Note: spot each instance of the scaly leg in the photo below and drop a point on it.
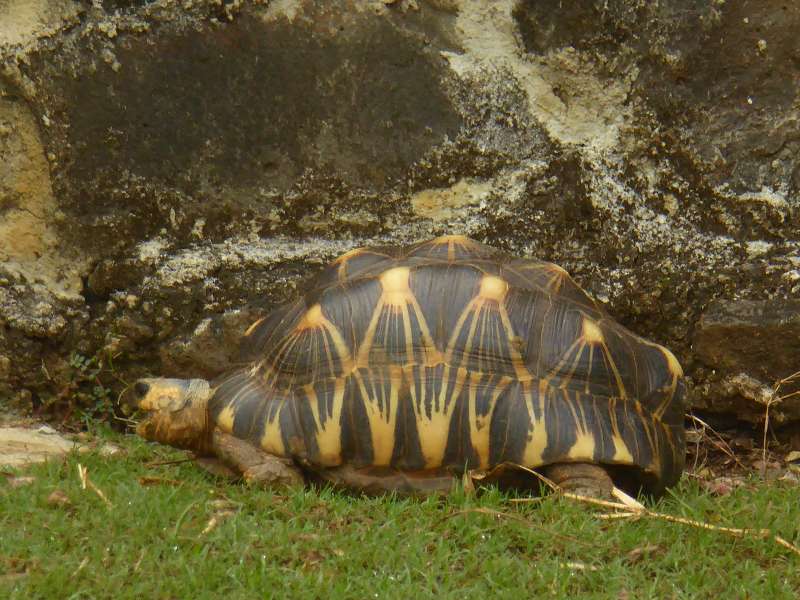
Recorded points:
(584, 479)
(256, 466)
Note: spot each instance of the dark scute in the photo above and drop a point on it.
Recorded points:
(537, 275)
(561, 328)
(595, 411)
(524, 280)
(443, 293)
(271, 329)
(367, 263)
(560, 426)
(555, 349)
(225, 390)
(483, 344)
(362, 261)
(253, 403)
(459, 452)
(303, 413)
(510, 426)
(655, 378)
(356, 441)
(306, 356)
(352, 306)
(391, 341)
(636, 430)
(407, 451)
(621, 349)
(527, 313)
(248, 420)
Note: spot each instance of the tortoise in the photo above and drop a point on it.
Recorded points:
(402, 368)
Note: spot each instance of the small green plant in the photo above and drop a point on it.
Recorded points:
(89, 393)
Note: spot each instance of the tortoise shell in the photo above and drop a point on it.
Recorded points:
(450, 355)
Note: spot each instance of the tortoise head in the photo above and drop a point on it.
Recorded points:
(176, 411)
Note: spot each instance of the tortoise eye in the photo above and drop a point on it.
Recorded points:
(141, 388)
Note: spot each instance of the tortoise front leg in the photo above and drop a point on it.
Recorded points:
(256, 466)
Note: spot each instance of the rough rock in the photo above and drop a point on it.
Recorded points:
(759, 342)
(21, 446)
(170, 170)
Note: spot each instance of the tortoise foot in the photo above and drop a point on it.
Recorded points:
(584, 479)
(257, 467)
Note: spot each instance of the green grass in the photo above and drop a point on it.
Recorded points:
(325, 544)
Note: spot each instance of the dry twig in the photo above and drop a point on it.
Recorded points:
(629, 511)
(83, 475)
(764, 440)
(81, 566)
(161, 463)
(775, 399)
(215, 520)
(719, 442)
(633, 509)
(789, 379)
(138, 562)
(627, 500)
(149, 480)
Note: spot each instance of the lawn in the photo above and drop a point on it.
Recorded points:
(174, 531)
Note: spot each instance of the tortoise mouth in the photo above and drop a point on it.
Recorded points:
(173, 411)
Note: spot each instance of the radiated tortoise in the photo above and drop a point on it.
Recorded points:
(402, 368)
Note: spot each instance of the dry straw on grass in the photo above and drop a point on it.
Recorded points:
(86, 483)
(630, 508)
(715, 438)
(776, 398)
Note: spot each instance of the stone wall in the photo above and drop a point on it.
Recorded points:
(171, 169)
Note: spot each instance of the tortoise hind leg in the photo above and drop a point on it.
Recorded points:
(256, 466)
(585, 479)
